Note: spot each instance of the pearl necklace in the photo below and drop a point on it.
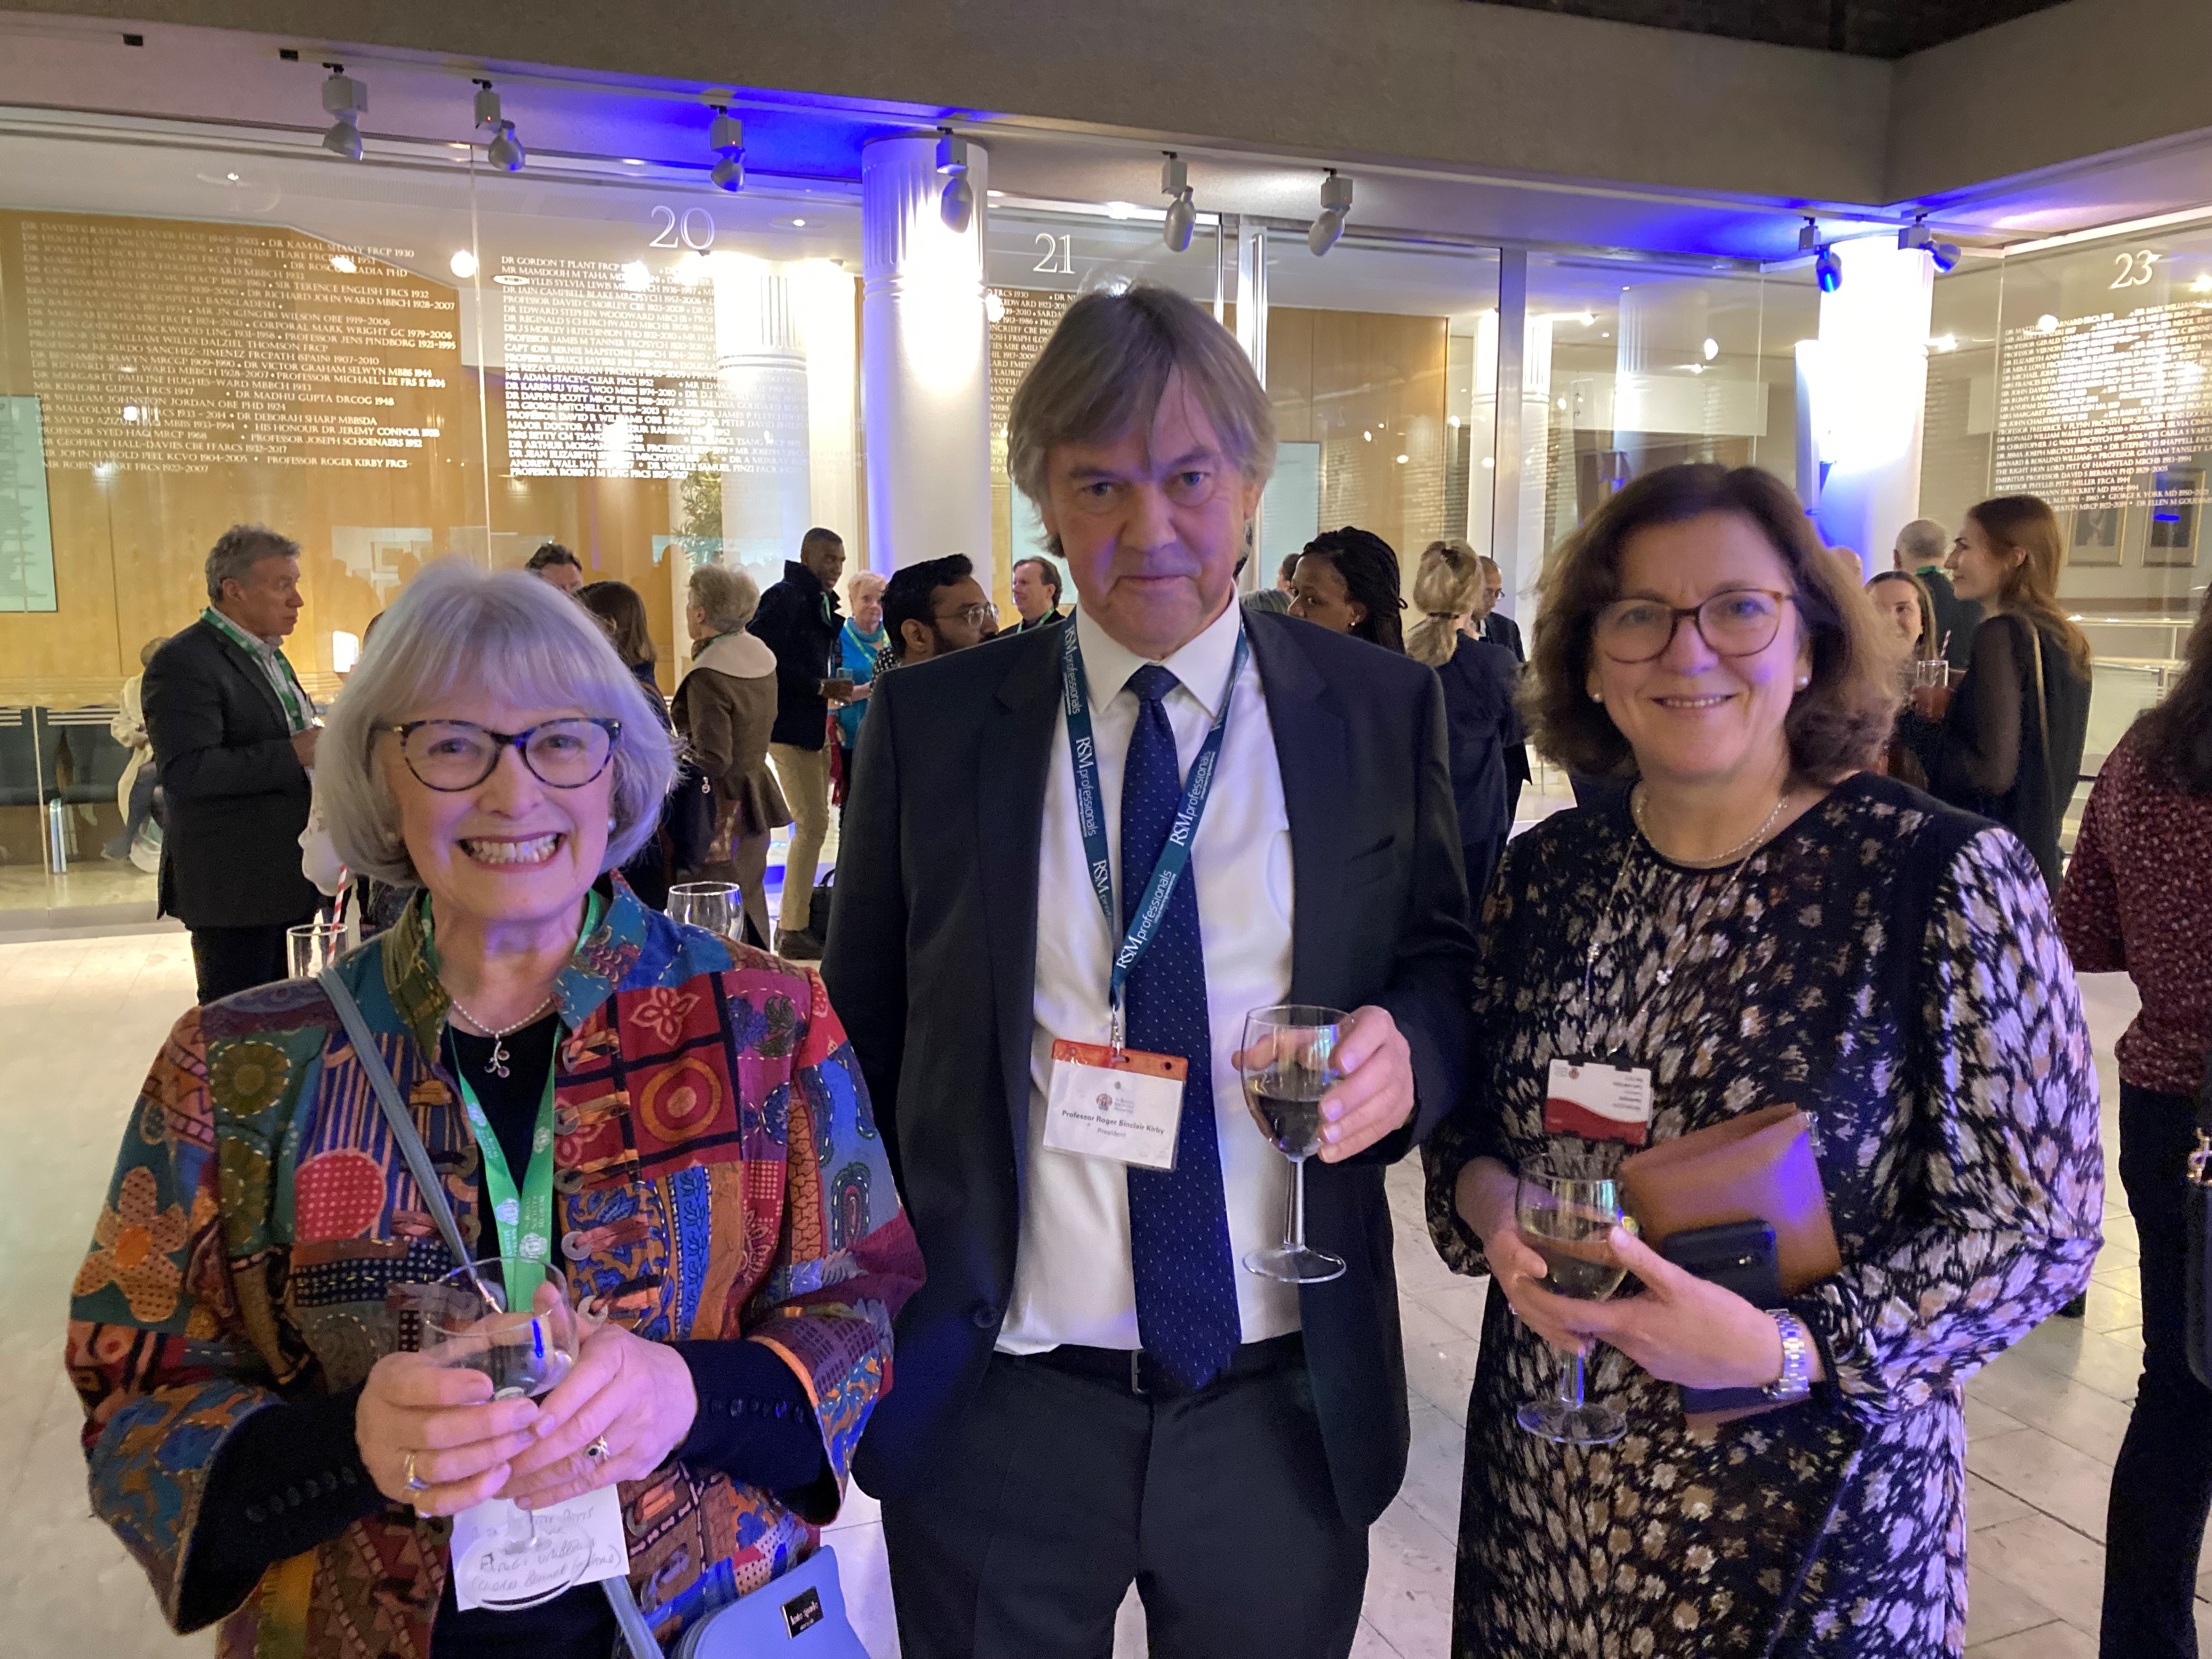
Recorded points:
(496, 1067)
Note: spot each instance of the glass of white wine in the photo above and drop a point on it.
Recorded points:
(510, 1319)
(1564, 1208)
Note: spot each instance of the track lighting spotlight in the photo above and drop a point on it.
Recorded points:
(1183, 213)
(1808, 235)
(1828, 271)
(347, 99)
(726, 138)
(956, 206)
(1916, 235)
(504, 151)
(1335, 209)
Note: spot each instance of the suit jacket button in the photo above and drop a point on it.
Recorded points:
(985, 1316)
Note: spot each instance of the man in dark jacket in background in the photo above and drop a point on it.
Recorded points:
(799, 620)
(234, 735)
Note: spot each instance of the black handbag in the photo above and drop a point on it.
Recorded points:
(2197, 1206)
(689, 818)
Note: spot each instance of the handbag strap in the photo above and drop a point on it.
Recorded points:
(2042, 703)
(623, 1600)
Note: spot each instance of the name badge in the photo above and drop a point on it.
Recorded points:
(497, 1563)
(1124, 1108)
(1598, 1101)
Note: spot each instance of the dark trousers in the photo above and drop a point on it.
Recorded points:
(1062, 1491)
(2162, 1484)
(229, 959)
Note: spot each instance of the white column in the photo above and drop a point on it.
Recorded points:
(1871, 391)
(761, 361)
(925, 363)
(821, 291)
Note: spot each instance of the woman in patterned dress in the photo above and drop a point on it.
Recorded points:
(261, 1432)
(1761, 922)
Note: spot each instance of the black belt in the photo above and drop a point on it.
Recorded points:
(1134, 1371)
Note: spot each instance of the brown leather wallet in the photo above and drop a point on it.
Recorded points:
(1758, 1167)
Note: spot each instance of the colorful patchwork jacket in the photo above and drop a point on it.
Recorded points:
(720, 1176)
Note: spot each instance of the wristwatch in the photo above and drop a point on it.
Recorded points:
(1796, 1379)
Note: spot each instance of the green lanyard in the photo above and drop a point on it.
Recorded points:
(276, 668)
(525, 1219)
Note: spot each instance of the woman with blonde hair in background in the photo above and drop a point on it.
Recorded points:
(726, 710)
(2005, 743)
(1479, 679)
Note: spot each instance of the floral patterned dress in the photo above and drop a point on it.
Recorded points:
(1947, 1069)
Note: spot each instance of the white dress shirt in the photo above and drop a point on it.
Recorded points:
(1073, 1280)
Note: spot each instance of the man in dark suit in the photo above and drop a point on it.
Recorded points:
(799, 620)
(1244, 810)
(1920, 549)
(1500, 629)
(233, 734)
(1037, 593)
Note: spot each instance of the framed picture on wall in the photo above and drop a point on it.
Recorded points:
(2095, 534)
(2176, 517)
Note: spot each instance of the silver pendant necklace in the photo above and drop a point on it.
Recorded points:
(1665, 976)
(497, 1065)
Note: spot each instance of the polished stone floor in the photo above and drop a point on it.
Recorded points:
(80, 1018)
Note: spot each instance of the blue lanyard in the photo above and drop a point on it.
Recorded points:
(1091, 815)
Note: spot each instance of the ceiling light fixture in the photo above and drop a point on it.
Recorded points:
(1918, 235)
(347, 99)
(1828, 270)
(1711, 349)
(1808, 236)
(463, 265)
(1182, 212)
(956, 206)
(1335, 209)
(726, 138)
(504, 151)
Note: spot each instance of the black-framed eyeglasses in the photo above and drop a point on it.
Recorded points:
(450, 756)
(1737, 622)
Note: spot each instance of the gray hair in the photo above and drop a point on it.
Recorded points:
(1106, 367)
(239, 549)
(1925, 540)
(457, 628)
(727, 597)
(866, 581)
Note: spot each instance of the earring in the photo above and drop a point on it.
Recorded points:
(610, 817)
(1597, 697)
(1804, 681)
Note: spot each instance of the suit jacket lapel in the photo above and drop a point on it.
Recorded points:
(1310, 750)
(1015, 749)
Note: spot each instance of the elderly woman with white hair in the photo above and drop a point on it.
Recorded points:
(680, 1123)
(726, 710)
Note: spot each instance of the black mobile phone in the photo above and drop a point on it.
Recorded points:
(1739, 1256)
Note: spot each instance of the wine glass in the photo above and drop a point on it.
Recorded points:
(510, 1319)
(713, 905)
(1564, 1207)
(1288, 1063)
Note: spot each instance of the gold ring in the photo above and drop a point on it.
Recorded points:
(414, 1482)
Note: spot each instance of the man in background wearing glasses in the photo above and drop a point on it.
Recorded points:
(933, 608)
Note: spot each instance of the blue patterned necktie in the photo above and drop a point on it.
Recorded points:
(1178, 1220)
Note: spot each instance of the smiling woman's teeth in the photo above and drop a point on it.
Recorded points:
(1692, 703)
(536, 850)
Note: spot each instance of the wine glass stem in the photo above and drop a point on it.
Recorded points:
(1570, 1380)
(1295, 1229)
